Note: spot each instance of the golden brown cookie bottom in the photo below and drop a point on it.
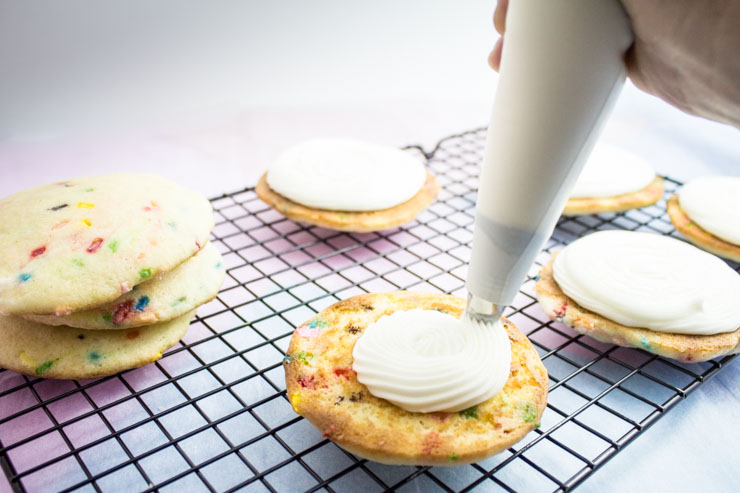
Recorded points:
(683, 347)
(351, 221)
(322, 387)
(698, 236)
(634, 200)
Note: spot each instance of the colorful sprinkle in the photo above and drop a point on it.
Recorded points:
(180, 301)
(172, 225)
(26, 359)
(328, 432)
(60, 224)
(113, 246)
(303, 357)
(529, 412)
(95, 245)
(347, 373)
(470, 413)
(319, 323)
(87, 222)
(132, 334)
(294, 400)
(78, 262)
(107, 317)
(560, 312)
(57, 207)
(219, 265)
(536, 278)
(85, 205)
(307, 381)
(141, 303)
(342, 216)
(453, 457)
(645, 343)
(145, 273)
(24, 276)
(94, 356)
(154, 206)
(89, 189)
(38, 251)
(122, 311)
(44, 367)
(286, 359)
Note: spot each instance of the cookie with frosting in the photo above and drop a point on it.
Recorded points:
(706, 212)
(323, 386)
(44, 351)
(614, 180)
(646, 291)
(348, 185)
(189, 285)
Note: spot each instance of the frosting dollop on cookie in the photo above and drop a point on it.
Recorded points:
(346, 175)
(427, 361)
(713, 203)
(650, 281)
(612, 171)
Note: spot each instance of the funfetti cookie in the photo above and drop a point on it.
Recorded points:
(73, 245)
(323, 387)
(614, 180)
(348, 185)
(707, 212)
(65, 352)
(190, 284)
(647, 291)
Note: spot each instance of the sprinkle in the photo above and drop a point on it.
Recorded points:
(645, 343)
(94, 245)
(219, 265)
(89, 189)
(141, 303)
(132, 334)
(78, 262)
(107, 317)
(303, 357)
(85, 205)
(26, 358)
(180, 301)
(87, 222)
(24, 276)
(560, 312)
(60, 224)
(318, 323)
(172, 225)
(536, 278)
(294, 400)
(145, 273)
(529, 411)
(342, 216)
(453, 457)
(470, 413)
(113, 246)
(327, 433)
(43, 367)
(345, 372)
(286, 359)
(122, 311)
(38, 251)
(57, 207)
(307, 382)
(94, 356)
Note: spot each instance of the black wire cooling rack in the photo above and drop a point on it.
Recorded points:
(212, 414)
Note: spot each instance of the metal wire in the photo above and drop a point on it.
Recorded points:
(212, 414)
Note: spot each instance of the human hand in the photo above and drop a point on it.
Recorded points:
(685, 52)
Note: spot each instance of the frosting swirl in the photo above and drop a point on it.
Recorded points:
(713, 203)
(612, 171)
(426, 361)
(650, 281)
(346, 175)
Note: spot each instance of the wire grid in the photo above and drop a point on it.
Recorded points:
(212, 414)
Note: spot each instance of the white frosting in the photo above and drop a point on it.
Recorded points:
(612, 171)
(346, 175)
(714, 204)
(426, 361)
(650, 281)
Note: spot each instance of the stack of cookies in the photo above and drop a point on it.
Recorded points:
(101, 274)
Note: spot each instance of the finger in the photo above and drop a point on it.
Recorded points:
(494, 59)
(499, 16)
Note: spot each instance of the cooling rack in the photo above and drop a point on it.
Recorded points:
(212, 415)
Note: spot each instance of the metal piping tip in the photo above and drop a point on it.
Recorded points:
(482, 310)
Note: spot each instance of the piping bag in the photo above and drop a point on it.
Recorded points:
(562, 69)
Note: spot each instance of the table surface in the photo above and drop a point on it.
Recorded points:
(258, 77)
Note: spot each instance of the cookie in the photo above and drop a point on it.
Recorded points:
(683, 347)
(74, 245)
(634, 200)
(322, 387)
(190, 284)
(358, 222)
(65, 352)
(698, 236)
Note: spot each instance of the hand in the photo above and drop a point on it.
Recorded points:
(686, 52)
